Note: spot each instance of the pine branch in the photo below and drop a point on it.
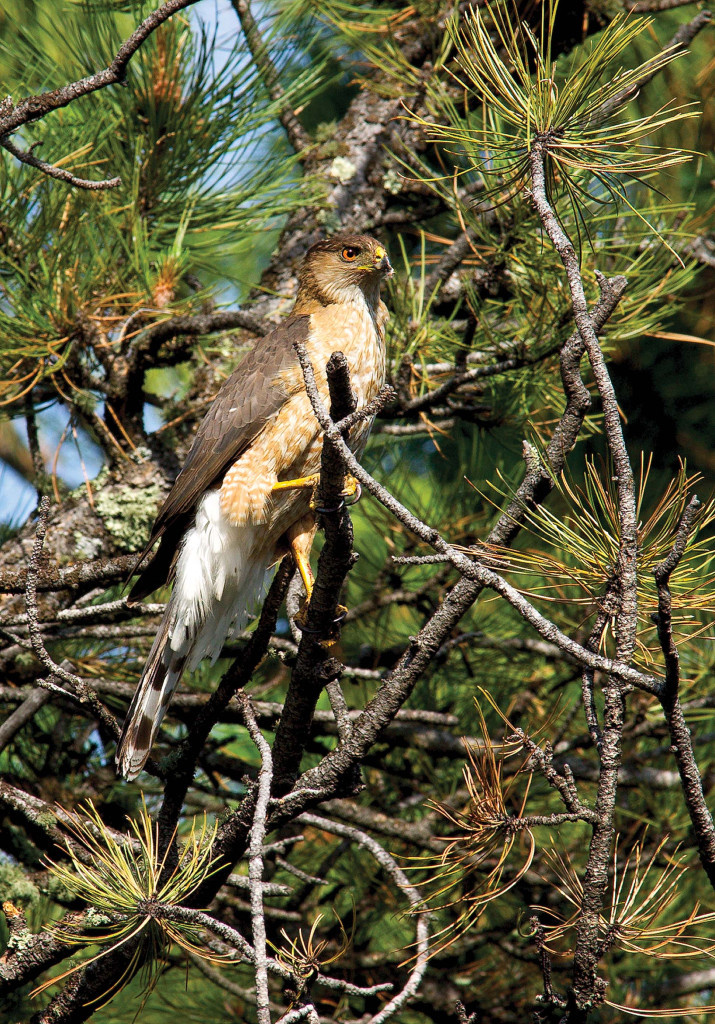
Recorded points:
(33, 108)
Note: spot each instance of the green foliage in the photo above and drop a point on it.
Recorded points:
(573, 117)
(575, 560)
(202, 178)
(125, 884)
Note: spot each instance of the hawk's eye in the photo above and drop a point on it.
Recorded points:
(349, 253)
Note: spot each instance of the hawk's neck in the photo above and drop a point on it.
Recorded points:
(312, 299)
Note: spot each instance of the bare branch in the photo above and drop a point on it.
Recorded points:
(680, 737)
(469, 568)
(25, 156)
(37, 953)
(652, 6)
(146, 345)
(255, 859)
(76, 576)
(586, 955)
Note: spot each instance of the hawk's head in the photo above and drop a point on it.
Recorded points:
(344, 268)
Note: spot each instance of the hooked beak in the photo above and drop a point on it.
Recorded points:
(382, 262)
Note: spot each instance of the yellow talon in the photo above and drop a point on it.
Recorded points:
(352, 486)
(349, 495)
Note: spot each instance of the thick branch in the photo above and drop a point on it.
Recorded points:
(76, 576)
(145, 347)
(315, 667)
(37, 954)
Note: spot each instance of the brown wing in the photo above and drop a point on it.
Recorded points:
(250, 397)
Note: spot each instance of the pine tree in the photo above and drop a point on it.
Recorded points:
(490, 797)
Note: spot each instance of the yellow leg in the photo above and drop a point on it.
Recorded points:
(299, 483)
(300, 539)
(306, 573)
(351, 490)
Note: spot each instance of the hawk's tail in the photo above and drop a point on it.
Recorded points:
(219, 577)
(159, 679)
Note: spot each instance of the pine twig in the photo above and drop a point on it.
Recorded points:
(297, 135)
(26, 156)
(215, 976)
(188, 915)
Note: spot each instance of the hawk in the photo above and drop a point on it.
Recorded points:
(243, 497)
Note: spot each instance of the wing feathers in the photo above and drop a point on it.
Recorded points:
(245, 403)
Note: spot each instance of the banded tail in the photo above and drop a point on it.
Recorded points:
(159, 680)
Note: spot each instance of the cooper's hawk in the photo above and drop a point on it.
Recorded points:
(242, 499)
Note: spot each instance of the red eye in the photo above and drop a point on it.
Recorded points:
(350, 254)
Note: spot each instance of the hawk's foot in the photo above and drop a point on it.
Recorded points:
(352, 491)
(319, 636)
(350, 494)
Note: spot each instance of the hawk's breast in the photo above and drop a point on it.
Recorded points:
(290, 444)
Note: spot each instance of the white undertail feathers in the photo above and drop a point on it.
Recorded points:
(220, 577)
